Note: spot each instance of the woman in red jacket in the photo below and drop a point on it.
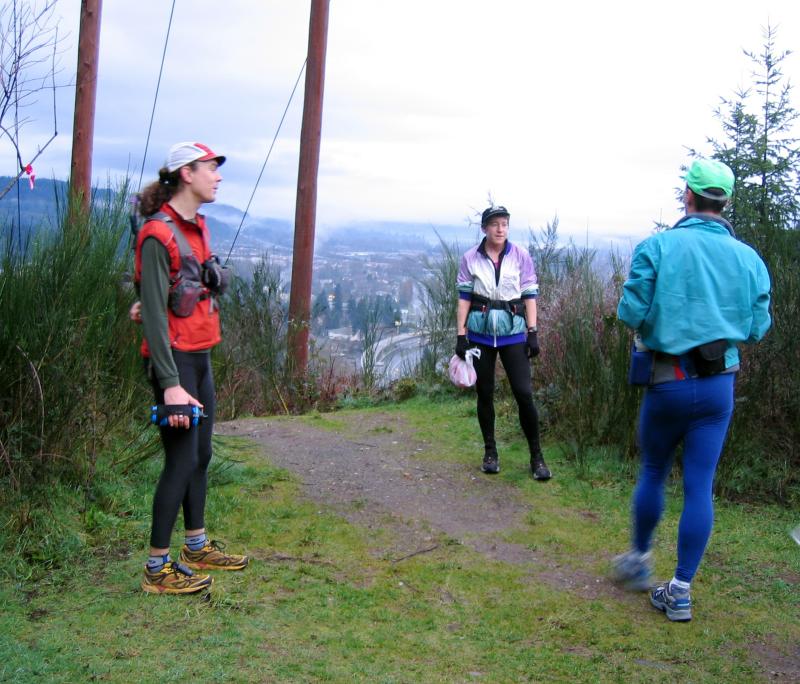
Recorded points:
(178, 279)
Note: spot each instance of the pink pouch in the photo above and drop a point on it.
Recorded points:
(462, 374)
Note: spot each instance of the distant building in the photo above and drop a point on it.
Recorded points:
(345, 334)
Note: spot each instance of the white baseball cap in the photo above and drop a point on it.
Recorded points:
(187, 152)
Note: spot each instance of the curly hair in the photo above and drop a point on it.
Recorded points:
(156, 193)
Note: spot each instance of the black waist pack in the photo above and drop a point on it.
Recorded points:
(709, 358)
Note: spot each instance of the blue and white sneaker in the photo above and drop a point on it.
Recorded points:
(633, 570)
(674, 601)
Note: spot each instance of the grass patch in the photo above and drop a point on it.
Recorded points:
(318, 604)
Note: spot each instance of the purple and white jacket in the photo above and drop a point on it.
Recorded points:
(492, 323)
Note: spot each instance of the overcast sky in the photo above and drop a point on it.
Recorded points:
(580, 109)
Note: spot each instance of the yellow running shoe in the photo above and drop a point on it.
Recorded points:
(213, 557)
(174, 578)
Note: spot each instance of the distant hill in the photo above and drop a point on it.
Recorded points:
(41, 207)
(24, 210)
(256, 233)
(36, 207)
(394, 236)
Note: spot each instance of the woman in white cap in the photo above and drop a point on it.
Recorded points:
(178, 279)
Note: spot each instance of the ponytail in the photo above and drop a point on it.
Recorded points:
(158, 192)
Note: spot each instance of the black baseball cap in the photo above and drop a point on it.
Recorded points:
(491, 212)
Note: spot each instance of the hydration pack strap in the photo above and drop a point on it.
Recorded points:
(184, 248)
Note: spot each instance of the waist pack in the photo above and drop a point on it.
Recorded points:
(709, 358)
(640, 371)
(513, 306)
(489, 322)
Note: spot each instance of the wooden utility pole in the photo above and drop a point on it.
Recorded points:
(306, 207)
(85, 96)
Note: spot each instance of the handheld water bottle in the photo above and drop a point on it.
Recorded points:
(160, 413)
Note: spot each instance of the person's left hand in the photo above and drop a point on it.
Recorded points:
(135, 314)
(532, 345)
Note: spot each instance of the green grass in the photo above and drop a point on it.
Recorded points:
(318, 605)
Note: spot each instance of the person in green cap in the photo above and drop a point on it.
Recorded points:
(693, 294)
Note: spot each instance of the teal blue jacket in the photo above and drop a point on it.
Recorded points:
(696, 283)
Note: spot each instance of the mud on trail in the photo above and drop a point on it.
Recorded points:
(374, 477)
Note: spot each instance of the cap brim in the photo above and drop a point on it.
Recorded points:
(495, 215)
(210, 157)
(710, 195)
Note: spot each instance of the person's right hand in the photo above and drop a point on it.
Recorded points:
(135, 314)
(178, 395)
(461, 347)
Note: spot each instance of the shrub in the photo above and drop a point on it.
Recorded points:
(581, 372)
(69, 376)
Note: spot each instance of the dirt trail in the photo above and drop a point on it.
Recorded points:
(373, 477)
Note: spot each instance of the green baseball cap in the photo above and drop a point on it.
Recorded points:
(709, 174)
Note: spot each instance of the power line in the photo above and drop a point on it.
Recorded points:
(155, 99)
(264, 165)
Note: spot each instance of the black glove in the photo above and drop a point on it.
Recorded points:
(215, 276)
(532, 344)
(212, 273)
(461, 347)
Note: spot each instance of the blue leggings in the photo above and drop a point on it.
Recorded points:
(696, 411)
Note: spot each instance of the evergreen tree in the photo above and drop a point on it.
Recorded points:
(338, 298)
(320, 303)
(765, 211)
(761, 150)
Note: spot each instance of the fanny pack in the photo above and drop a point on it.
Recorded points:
(489, 322)
(640, 371)
(709, 358)
(512, 306)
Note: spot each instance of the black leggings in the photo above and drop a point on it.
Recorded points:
(187, 453)
(518, 370)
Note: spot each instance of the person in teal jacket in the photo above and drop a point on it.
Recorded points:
(693, 294)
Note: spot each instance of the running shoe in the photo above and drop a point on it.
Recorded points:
(539, 468)
(675, 602)
(174, 578)
(213, 557)
(491, 462)
(632, 571)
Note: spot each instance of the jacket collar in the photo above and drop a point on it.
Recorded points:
(482, 248)
(694, 219)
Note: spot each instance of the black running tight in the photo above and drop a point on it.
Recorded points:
(187, 454)
(518, 369)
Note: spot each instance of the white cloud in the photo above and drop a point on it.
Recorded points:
(576, 108)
